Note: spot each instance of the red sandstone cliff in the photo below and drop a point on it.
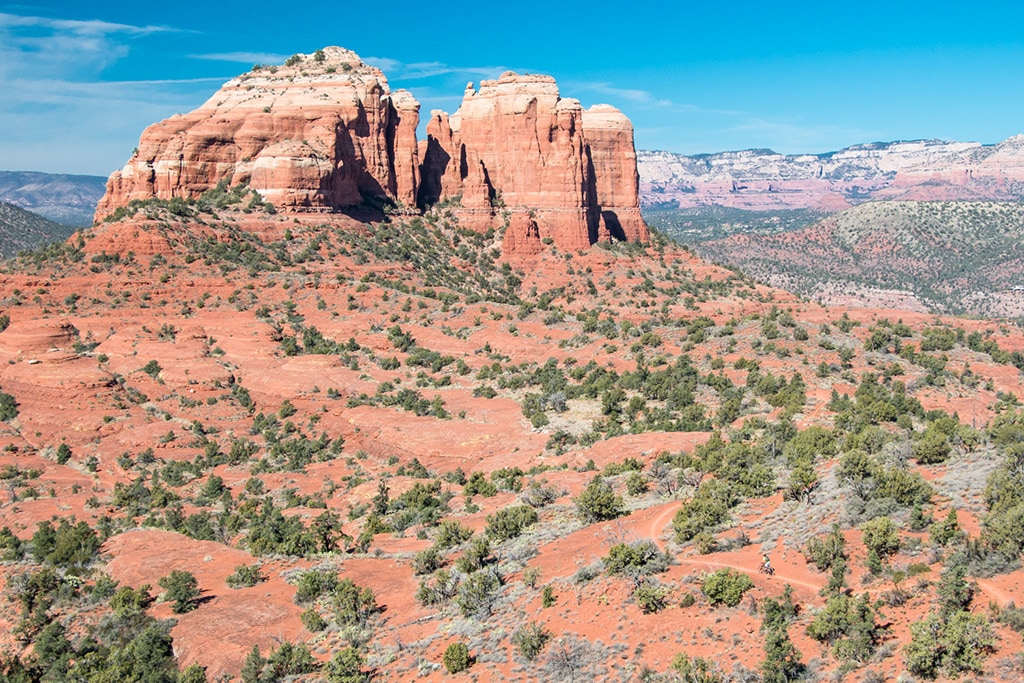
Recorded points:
(325, 131)
(515, 148)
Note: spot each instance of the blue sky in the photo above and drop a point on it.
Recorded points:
(80, 83)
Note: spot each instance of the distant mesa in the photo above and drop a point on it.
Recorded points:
(763, 180)
(325, 132)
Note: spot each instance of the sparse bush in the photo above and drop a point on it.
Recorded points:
(598, 502)
(951, 645)
(312, 620)
(530, 639)
(881, 536)
(849, 625)
(245, 576)
(314, 583)
(825, 551)
(697, 669)
(346, 667)
(651, 597)
(635, 559)
(707, 509)
(509, 522)
(181, 587)
(476, 595)
(726, 586)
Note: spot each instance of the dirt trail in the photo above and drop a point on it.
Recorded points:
(659, 523)
(996, 593)
(746, 569)
(662, 519)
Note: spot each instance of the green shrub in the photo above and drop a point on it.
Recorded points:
(152, 368)
(651, 597)
(456, 657)
(635, 559)
(346, 667)
(881, 536)
(849, 625)
(476, 595)
(312, 620)
(598, 502)
(697, 669)
(933, 447)
(726, 586)
(450, 534)
(530, 639)
(708, 508)
(245, 576)
(353, 604)
(946, 531)
(181, 587)
(8, 407)
(427, 561)
(193, 673)
(314, 583)
(948, 645)
(510, 522)
(781, 658)
(954, 592)
(825, 551)
(636, 484)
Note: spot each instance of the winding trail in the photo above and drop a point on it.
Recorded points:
(657, 526)
(783, 578)
(659, 523)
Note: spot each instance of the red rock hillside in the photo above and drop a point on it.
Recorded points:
(325, 132)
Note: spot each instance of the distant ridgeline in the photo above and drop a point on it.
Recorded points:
(956, 257)
(62, 198)
(22, 230)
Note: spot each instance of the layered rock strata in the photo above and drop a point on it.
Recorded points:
(325, 132)
(516, 149)
(764, 180)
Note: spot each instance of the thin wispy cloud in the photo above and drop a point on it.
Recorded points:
(396, 70)
(51, 74)
(65, 48)
(244, 57)
(643, 98)
(93, 27)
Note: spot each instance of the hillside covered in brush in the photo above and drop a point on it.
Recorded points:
(21, 230)
(959, 257)
(241, 442)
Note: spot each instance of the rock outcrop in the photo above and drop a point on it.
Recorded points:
(764, 180)
(517, 153)
(322, 132)
(325, 132)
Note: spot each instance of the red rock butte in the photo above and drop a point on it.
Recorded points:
(325, 132)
